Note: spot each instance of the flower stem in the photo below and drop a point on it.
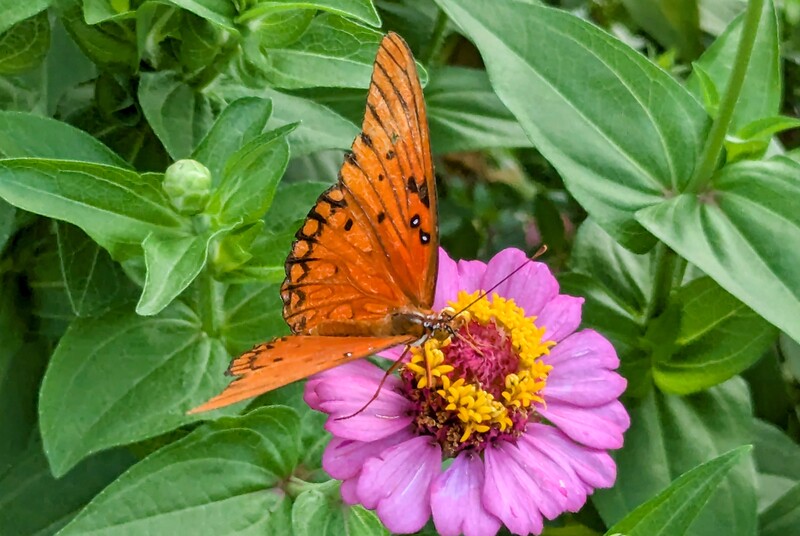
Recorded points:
(437, 37)
(716, 136)
(666, 263)
(210, 297)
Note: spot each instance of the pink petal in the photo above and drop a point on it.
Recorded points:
(447, 281)
(361, 368)
(531, 288)
(567, 479)
(506, 493)
(586, 388)
(393, 354)
(343, 458)
(470, 275)
(397, 483)
(349, 492)
(386, 415)
(560, 317)
(456, 500)
(599, 427)
(587, 348)
(594, 467)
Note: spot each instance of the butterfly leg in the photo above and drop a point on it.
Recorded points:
(396, 365)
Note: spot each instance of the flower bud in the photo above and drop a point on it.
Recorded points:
(188, 185)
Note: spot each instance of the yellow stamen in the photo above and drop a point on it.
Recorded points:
(431, 354)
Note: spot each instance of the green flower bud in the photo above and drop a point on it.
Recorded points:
(188, 185)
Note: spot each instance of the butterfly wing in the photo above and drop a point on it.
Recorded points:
(370, 244)
(287, 359)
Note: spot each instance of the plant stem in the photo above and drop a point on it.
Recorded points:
(437, 38)
(666, 263)
(210, 296)
(716, 136)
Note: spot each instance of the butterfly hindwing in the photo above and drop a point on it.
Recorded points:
(370, 244)
(286, 359)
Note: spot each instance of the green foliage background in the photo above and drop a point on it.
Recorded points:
(648, 143)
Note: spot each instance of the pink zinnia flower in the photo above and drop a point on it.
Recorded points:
(522, 406)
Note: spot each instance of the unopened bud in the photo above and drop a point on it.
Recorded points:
(188, 185)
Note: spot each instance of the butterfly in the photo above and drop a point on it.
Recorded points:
(361, 274)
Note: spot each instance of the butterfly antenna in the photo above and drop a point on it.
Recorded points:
(485, 293)
(396, 365)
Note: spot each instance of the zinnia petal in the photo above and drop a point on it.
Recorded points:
(343, 458)
(447, 282)
(594, 467)
(599, 427)
(560, 317)
(531, 288)
(470, 275)
(397, 484)
(506, 492)
(456, 499)
(341, 399)
(587, 348)
(361, 368)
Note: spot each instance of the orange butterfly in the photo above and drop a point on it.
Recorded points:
(362, 271)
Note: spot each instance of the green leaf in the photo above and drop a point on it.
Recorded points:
(670, 435)
(121, 377)
(240, 122)
(179, 115)
(672, 24)
(24, 45)
(114, 206)
(95, 11)
(109, 44)
(14, 11)
(24, 135)
(220, 12)
(201, 42)
(195, 484)
(539, 60)
(172, 262)
(673, 510)
(361, 10)
(465, 114)
(617, 287)
(753, 139)
(707, 89)
(782, 518)
(8, 223)
(718, 337)
(34, 503)
(250, 178)
(761, 91)
(333, 52)
(743, 234)
(252, 314)
(776, 459)
(94, 283)
(319, 511)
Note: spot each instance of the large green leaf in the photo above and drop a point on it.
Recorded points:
(179, 115)
(319, 511)
(240, 122)
(333, 52)
(93, 281)
(761, 92)
(361, 10)
(34, 503)
(113, 205)
(224, 478)
(220, 12)
(250, 178)
(744, 234)
(121, 377)
(14, 11)
(673, 24)
(621, 132)
(672, 511)
(782, 518)
(717, 338)
(776, 457)
(24, 135)
(252, 315)
(24, 45)
(465, 114)
(670, 435)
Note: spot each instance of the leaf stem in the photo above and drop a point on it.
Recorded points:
(716, 136)
(437, 37)
(210, 297)
(666, 263)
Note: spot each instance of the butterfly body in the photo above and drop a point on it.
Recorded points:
(361, 273)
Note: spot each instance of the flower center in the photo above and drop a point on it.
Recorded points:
(481, 384)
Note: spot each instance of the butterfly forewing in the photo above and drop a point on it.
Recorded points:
(370, 245)
(287, 359)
